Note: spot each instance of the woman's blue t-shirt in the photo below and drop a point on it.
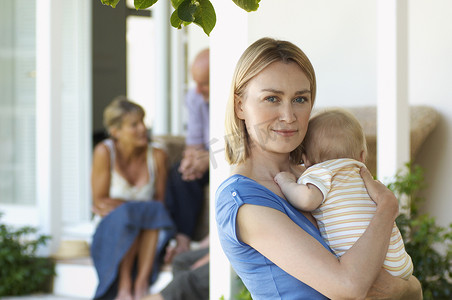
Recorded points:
(262, 277)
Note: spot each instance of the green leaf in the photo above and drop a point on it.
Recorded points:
(200, 12)
(112, 3)
(143, 4)
(176, 3)
(205, 16)
(176, 22)
(187, 9)
(248, 5)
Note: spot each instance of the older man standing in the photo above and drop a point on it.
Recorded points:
(184, 195)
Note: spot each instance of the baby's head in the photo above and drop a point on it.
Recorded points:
(332, 134)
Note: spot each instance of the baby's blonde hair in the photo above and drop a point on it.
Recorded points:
(334, 133)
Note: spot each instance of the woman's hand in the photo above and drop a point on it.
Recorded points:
(104, 206)
(387, 286)
(194, 163)
(380, 194)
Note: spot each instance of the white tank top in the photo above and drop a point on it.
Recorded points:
(121, 188)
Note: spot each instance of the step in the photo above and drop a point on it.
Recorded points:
(75, 278)
(78, 278)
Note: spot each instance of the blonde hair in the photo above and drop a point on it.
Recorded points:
(114, 113)
(256, 58)
(334, 133)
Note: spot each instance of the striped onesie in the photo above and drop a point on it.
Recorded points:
(347, 209)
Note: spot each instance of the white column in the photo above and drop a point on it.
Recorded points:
(228, 40)
(48, 113)
(393, 127)
(84, 11)
(161, 14)
(178, 71)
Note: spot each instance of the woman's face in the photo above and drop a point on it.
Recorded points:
(276, 107)
(132, 130)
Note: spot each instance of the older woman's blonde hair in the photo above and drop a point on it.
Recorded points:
(256, 58)
(115, 111)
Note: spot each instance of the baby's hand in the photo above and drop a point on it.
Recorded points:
(284, 177)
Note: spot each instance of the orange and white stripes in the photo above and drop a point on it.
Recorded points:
(347, 210)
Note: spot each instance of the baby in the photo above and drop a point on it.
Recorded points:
(334, 150)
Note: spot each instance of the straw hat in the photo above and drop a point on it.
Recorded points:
(72, 249)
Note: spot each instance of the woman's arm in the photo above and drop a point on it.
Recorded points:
(389, 287)
(161, 173)
(100, 182)
(266, 229)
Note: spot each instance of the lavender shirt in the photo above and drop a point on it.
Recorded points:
(198, 119)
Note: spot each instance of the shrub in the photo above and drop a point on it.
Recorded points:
(428, 244)
(22, 271)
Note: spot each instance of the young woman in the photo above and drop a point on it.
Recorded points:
(276, 250)
(128, 184)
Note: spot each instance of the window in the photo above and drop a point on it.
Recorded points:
(17, 103)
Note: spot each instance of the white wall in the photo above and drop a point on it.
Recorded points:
(430, 84)
(340, 39)
(338, 36)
